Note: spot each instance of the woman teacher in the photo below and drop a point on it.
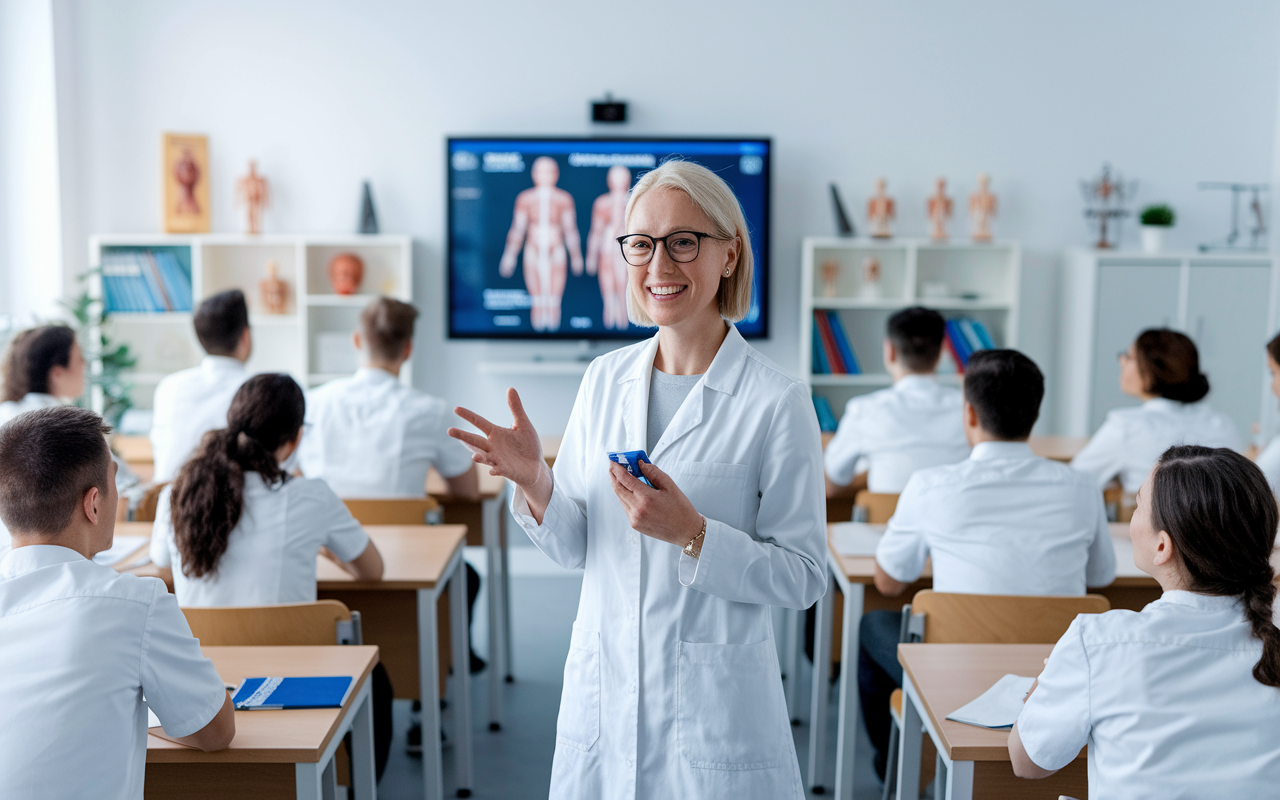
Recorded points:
(672, 686)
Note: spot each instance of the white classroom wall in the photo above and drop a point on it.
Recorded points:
(327, 93)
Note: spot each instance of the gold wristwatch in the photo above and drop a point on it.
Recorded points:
(694, 548)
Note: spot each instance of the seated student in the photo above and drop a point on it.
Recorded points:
(190, 403)
(1269, 459)
(80, 644)
(1003, 522)
(913, 424)
(372, 436)
(1161, 368)
(1181, 699)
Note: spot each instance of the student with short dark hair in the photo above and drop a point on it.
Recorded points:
(1005, 521)
(194, 401)
(80, 644)
(909, 426)
(1162, 369)
(1181, 699)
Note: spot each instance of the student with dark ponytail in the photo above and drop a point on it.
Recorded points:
(1162, 369)
(237, 529)
(1181, 699)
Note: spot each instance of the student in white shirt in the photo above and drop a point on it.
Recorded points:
(1162, 369)
(1269, 459)
(913, 424)
(1181, 699)
(372, 436)
(1003, 522)
(80, 644)
(194, 401)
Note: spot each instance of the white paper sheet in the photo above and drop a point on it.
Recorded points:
(123, 546)
(997, 707)
(856, 538)
(152, 720)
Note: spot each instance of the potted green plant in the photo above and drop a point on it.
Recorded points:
(1155, 220)
(110, 362)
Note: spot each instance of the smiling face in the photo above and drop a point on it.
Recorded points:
(672, 293)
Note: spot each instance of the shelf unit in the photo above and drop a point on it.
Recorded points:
(979, 281)
(290, 342)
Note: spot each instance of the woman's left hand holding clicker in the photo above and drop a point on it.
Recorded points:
(661, 511)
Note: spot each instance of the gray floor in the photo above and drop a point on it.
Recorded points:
(515, 763)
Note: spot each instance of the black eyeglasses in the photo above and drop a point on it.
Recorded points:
(682, 246)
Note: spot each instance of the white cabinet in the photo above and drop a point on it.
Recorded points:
(1225, 303)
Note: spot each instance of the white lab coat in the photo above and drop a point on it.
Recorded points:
(672, 686)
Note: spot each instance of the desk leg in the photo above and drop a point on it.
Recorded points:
(329, 780)
(847, 728)
(460, 703)
(821, 689)
(491, 513)
(428, 688)
(792, 621)
(909, 740)
(308, 781)
(960, 780)
(508, 671)
(363, 773)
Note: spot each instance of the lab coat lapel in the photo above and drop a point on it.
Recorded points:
(722, 376)
(635, 403)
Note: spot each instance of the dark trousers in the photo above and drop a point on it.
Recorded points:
(879, 673)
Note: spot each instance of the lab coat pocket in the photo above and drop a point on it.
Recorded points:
(716, 490)
(729, 706)
(578, 725)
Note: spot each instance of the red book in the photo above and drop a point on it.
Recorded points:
(838, 366)
(951, 348)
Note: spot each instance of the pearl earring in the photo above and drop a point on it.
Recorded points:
(726, 272)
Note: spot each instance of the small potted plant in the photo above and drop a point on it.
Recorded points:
(1155, 220)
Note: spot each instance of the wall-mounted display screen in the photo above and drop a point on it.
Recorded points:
(533, 226)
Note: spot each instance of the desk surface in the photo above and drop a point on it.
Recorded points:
(414, 557)
(947, 676)
(490, 485)
(133, 449)
(296, 735)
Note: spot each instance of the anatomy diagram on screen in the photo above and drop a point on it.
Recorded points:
(545, 225)
(604, 257)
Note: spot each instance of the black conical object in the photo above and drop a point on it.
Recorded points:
(368, 217)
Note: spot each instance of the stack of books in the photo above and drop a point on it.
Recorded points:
(964, 338)
(832, 353)
(145, 281)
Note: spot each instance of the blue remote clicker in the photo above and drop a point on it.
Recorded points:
(631, 460)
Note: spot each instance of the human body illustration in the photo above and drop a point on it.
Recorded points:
(603, 258)
(545, 225)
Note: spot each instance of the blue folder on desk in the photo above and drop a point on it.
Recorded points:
(275, 693)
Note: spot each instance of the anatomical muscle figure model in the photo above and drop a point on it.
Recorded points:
(545, 225)
(603, 254)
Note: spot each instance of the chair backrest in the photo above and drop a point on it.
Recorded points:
(1000, 619)
(323, 622)
(879, 506)
(408, 511)
(146, 510)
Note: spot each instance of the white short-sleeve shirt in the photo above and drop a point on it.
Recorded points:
(80, 645)
(189, 404)
(1131, 439)
(912, 425)
(271, 553)
(1005, 521)
(372, 436)
(1166, 701)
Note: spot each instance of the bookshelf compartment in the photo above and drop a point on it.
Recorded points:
(851, 261)
(383, 269)
(244, 266)
(331, 351)
(965, 274)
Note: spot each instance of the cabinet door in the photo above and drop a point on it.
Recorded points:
(1131, 298)
(1227, 317)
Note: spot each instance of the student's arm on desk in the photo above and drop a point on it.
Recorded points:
(887, 585)
(1023, 766)
(365, 567)
(465, 486)
(835, 490)
(217, 735)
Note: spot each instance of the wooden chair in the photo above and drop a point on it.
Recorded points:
(324, 622)
(878, 507)
(946, 618)
(146, 510)
(409, 511)
(1120, 504)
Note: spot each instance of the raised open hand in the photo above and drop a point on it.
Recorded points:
(514, 453)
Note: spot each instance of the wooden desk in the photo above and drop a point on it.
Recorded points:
(854, 576)
(276, 753)
(399, 614)
(1058, 448)
(550, 448)
(939, 678)
(486, 525)
(136, 452)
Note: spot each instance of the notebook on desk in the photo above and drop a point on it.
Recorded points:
(275, 693)
(856, 538)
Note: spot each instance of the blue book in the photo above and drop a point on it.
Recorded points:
(271, 693)
(983, 334)
(151, 276)
(842, 342)
(970, 335)
(177, 281)
(959, 341)
(826, 418)
(820, 365)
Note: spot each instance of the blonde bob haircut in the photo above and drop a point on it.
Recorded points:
(713, 197)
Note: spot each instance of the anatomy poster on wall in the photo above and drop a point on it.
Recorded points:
(533, 227)
(185, 173)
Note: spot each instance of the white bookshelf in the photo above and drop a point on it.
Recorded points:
(290, 342)
(978, 281)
